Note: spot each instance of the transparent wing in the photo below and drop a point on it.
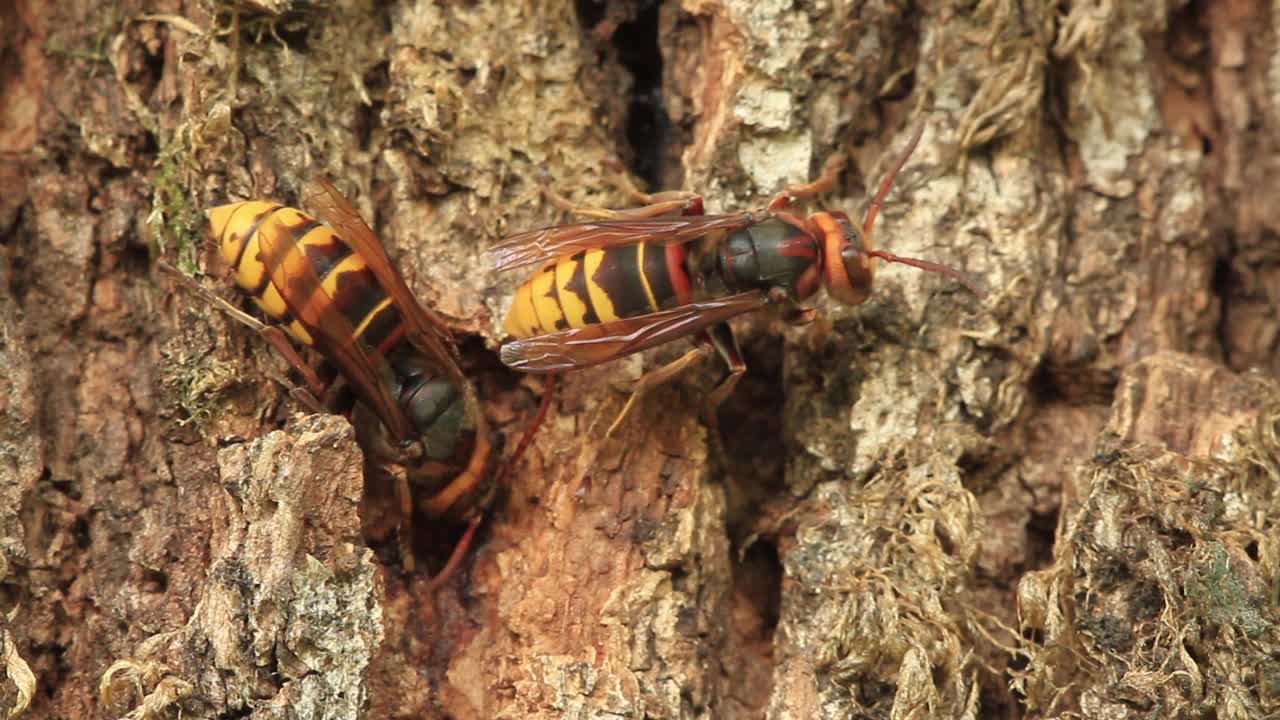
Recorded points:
(334, 337)
(539, 246)
(595, 344)
(425, 329)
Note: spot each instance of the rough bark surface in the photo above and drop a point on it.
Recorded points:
(1059, 500)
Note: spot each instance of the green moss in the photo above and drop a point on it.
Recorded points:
(1217, 588)
(177, 224)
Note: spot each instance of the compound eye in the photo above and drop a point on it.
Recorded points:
(847, 272)
(851, 255)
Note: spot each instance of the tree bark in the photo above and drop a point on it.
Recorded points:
(1056, 500)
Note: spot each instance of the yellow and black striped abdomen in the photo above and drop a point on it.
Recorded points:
(596, 286)
(347, 284)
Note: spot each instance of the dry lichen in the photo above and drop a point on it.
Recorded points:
(289, 596)
(19, 673)
(1158, 595)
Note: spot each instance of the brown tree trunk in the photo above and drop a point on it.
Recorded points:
(1056, 500)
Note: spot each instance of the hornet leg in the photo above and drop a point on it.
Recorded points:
(456, 557)
(793, 313)
(404, 496)
(718, 338)
(656, 377)
(310, 396)
(273, 336)
(654, 205)
(690, 199)
(680, 202)
(726, 346)
(802, 191)
(661, 204)
(531, 429)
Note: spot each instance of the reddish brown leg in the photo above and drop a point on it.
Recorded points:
(653, 204)
(662, 204)
(303, 397)
(316, 387)
(653, 379)
(464, 543)
(548, 392)
(719, 339)
(456, 557)
(726, 345)
(826, 180)
(693, 205)
(404, 496)
(644, 198)
(797, 315)
(793, 312)
(274, 337)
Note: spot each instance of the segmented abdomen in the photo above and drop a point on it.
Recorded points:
(597, 286)
(347, 284)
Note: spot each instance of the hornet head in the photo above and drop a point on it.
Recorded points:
(849, 254)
